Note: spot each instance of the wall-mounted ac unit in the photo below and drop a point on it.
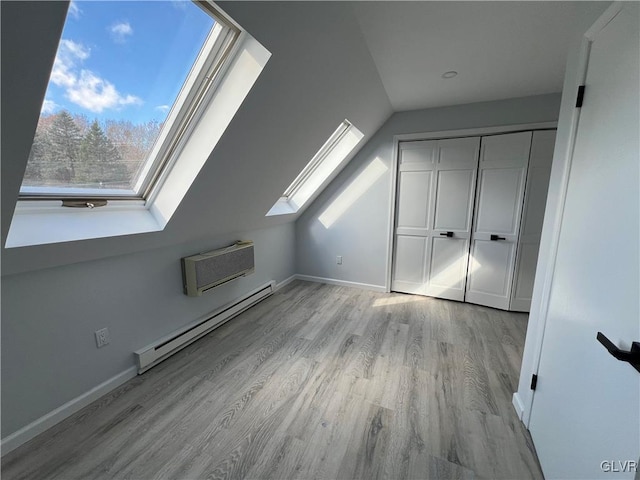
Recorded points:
(207, 270)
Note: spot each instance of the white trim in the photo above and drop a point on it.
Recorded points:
(564, 163)
(609, 14)
(517, 404)
(476, 132)
(285, 282)
(158, 351)
(342, 283)
(392, 215)
(13, 441)
(467, 132)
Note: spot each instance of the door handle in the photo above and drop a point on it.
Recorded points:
(447, 234)
(632, 356)
(496, 237)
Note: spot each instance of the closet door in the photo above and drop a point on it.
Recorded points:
(499, 196)
(535, 200)
(455, 180)
(414, 213)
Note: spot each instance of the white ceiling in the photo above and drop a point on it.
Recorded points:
(500, 49)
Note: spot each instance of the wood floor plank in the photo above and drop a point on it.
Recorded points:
(317, 381)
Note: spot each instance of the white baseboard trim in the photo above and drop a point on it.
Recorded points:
(286, 281)
(13, 441)
(342, 283)
(517, 404)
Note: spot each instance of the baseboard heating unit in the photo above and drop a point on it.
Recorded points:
(155, 353)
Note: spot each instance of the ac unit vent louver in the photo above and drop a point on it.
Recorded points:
(207, 270)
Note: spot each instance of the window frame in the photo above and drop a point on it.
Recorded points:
(47, 221)
(202, 80)
(287, 203)
(317, 159)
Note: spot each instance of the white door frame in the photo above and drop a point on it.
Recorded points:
(544, 270)
(469, 132)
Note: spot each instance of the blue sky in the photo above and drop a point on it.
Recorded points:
(125, 59)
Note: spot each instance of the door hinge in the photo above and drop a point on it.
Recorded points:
(534, 381)
(580, 96)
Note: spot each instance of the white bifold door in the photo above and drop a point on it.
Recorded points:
(434, 216)
(535, 200)
(499, 198)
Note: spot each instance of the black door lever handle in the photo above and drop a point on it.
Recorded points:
(496, 237)
(447, 234)
(632, 356)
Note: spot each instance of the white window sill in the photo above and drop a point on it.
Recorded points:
(282, 207)
(38, 222)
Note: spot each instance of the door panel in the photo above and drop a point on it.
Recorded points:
(414, 198)
(490, 262)
(448, 268)
(435, 196)
(499, 197)
(454, 194)
(535, 200)
(411, 254)
(585, 418)
(501, 151)
(414, 215)
(453, 208)
(499, 190)
(458, 153)
(525, 275)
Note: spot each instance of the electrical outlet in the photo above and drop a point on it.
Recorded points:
(339, 259)
(102, 337)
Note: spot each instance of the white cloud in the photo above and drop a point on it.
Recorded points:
(163, 108)
(69, 53)
(84, 87)
(74, 10)
(120, 31)
(48, 106)
(97, 94)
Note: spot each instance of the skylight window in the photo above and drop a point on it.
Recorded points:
(325, 164)
(139, 96)
(127, 82)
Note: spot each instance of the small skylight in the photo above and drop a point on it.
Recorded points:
(121, 94)
(323, 166)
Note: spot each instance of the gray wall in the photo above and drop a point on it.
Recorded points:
(49, 355)
(55, 296)
(361, 234)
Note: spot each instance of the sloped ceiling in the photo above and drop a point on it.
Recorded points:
(330, 61)
(499, 49)
(320, 73)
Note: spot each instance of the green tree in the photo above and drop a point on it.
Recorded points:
(60, 158)
(101, 163)
(133, 141)
(38, 157)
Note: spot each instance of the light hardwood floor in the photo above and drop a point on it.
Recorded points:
(317, 381)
